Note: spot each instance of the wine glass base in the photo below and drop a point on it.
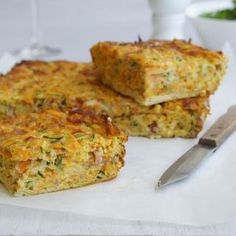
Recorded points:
(35, 52)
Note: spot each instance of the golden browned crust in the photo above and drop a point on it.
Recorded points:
(184, 47)
(157, 71)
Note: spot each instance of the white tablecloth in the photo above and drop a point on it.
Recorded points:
(74, 26)
(23, 221)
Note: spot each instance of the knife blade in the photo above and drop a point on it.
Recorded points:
(207, 144)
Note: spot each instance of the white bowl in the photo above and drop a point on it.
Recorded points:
(213, 32)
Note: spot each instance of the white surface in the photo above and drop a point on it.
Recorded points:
(23, 221)
(75, 32)
(213, 32)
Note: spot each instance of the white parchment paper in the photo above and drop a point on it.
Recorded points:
(207, 197)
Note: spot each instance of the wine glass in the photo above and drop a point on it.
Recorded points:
(36, 48)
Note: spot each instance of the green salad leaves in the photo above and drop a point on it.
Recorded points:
(225, 14)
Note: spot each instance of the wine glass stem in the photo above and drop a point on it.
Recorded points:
(35, 37)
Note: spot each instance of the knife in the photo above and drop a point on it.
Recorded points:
(207, 144)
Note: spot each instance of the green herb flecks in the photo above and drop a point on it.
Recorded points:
(101, 174)
(58, 160)
(39, 102)
(63, 102)
(29, 184)
(135, 123)
(82, 136)
(133, 64)
(53, 139)
(178, 58)
(40, 174)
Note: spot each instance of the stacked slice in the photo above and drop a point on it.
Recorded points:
(156, 71)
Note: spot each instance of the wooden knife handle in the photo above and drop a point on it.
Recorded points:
(221, 129)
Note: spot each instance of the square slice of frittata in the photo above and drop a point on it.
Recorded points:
(157, 71)
(52, 150)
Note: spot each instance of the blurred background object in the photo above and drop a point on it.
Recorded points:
(76, 25)
(168, 18)
(213, 31)
(36, 48)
